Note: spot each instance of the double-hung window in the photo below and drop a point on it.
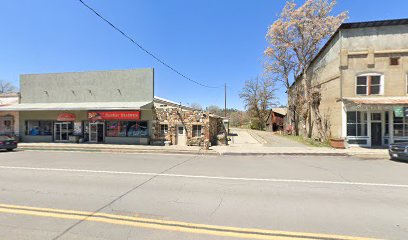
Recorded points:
(369, 84)
(164, 129)
(197, 130)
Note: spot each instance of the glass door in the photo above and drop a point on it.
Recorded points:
(96, 132)
(57, 132)
(61, 131)
(93, 132)
(376, 129)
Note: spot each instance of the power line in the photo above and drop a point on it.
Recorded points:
(144, 49)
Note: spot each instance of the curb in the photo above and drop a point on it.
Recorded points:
(285, 154)
(202, 152)
(117, 151)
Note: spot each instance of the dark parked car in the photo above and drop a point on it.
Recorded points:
(8, 142)
(398, 151)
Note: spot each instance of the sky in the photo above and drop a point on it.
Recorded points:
(210, 41)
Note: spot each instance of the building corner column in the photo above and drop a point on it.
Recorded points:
(391, 126)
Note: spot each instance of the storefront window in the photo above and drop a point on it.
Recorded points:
(39, 128)
(197, 130)
(356, 124)
(126, 129)
(400, 126)
(115, 129)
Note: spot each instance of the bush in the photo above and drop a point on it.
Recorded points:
(256, 124)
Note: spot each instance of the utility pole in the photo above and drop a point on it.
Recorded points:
(225, 100)
(225, 114)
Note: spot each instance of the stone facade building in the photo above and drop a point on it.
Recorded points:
(182, 125)
(362, 75)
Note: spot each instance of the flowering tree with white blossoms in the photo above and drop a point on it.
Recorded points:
(295, 39)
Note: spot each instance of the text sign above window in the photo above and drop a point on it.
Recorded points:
(114, 115)
(66, 117)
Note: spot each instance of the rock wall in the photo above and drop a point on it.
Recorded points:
(211, 126)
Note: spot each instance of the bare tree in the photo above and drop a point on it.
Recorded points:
(214, 109)
(302, 31)
(7, 87)
(196, 106)
(239, 119)
(258, 95)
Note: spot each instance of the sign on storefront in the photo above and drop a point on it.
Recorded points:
(77, 128)
(114, 115)
(399, 111)
(66, 117)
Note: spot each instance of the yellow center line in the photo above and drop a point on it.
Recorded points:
(245, 233)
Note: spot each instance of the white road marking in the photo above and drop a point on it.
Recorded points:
(209, 177)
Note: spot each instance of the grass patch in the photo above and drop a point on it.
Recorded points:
(307, 141)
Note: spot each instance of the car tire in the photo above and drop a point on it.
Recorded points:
(9, 149)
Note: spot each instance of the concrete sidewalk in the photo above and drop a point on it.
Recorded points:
(260, 143)
(234, 149)
(115, 148)
(302, 151)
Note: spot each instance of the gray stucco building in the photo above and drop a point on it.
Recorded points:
(97, 106)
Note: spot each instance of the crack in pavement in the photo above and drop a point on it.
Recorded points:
(121, 196)
(219, 205)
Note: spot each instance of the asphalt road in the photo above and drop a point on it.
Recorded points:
(73, 195)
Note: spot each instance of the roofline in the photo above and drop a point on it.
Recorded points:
(87, 71)
(9, 95)
(375, 23)
(175, 104)
(353, 25)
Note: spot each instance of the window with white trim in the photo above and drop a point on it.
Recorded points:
(164, 129)
(356, 124)
(400, 126)
(406, 83)
(197, 130)
(370, 84)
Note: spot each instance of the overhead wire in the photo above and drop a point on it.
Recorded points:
(144, 49)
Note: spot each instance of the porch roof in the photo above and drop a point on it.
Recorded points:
(77, 106)
(378, 101)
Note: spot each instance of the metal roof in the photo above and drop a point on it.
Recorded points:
(379, 23)
(172, 103)
(78, 106)
(281, 111)
(378, 101)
